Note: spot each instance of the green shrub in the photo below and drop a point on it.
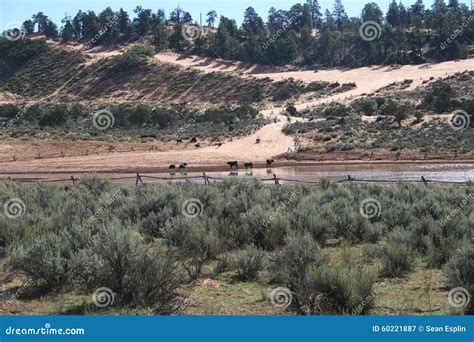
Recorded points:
(397, 259)
(341, 289)
(153, 279)
(440, 97)
(249, 262)
(45, 260)
(460, 272)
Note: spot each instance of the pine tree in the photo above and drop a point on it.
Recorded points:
(160, 37)
(143, 22)
(339, 14)
(41, 20)
(67, 32)
(393, 14)
(29, 26)
(123, 21)
(417, 13)
(211, 18)
(372, 12)
(77, 25)
(404, 16)
(316, 14)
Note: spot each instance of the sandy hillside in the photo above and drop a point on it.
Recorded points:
(367, 79)
(273, 141)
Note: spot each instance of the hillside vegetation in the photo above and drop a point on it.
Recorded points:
(395, 120)
(332, 246)
(38, 71)
(301, 35)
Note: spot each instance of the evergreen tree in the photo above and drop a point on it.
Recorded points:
(187, 18)
(393, 14)
(177, 40)
(67, 32)
(41, 20)
(372, 12)
(417, 13)
(316, 15)
(339, 14)
(77, 24)
(143, 22)
(161, 15)
(51, 30)
(404, 16)
(453, 5)
(176, 15)
(29, 26)
(109, 26)
(160, 37)
(90, 26)
(211, 18)
(123, 21)
(253, 33)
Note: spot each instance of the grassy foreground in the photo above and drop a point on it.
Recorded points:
(238, 247)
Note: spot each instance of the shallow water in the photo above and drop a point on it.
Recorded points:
(412, 172)
(455, 173)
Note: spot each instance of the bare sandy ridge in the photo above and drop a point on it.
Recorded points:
(273, 141)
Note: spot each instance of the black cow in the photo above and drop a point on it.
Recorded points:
(270, 162)
(233, 164)
(183, 166)
(172, 167)
(248, 166)
(193, 140)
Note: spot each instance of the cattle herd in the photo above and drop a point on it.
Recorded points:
(232, 164)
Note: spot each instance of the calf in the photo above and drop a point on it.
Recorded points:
(233, 164)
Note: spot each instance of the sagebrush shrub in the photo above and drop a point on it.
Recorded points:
(459, 271)
(341, 289)
(249, 262)
(397, 259)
